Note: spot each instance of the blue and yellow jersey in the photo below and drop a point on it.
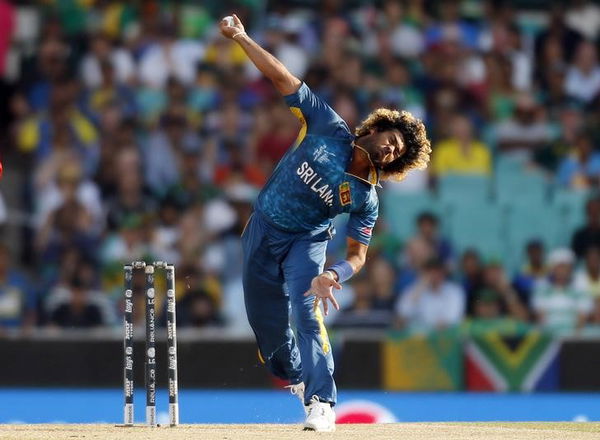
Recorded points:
(310, 185)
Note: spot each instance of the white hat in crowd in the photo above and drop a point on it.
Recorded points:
(561, 256)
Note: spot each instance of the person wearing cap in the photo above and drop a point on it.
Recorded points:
(327, 171)
(559, 307)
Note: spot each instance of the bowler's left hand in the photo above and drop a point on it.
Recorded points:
(322, 287)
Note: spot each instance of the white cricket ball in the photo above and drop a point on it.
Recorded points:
(228, 20)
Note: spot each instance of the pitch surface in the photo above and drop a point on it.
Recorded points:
(404, 431)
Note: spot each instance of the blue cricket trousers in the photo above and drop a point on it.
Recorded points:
(278, 269)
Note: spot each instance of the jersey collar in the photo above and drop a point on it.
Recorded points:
(373, 178)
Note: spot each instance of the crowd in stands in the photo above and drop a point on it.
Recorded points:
(133, 130)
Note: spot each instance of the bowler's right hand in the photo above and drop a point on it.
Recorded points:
(322, 287)
(230, 31)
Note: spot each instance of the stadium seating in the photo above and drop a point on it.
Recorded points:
(477, 225)
(531, 221)
(570, 205)
(401, 210)
(519, 185)
(455, 189)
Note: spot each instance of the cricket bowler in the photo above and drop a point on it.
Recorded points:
(326, 172)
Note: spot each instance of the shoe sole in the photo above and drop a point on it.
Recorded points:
(306, 428)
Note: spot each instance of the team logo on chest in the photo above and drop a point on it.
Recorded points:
(345, 196)
(321, 155)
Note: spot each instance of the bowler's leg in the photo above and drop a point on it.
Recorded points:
(305, 261)
(267, 306)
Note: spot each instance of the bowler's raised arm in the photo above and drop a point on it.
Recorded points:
(271, 67)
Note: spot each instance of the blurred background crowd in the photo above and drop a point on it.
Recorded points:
(132, 130)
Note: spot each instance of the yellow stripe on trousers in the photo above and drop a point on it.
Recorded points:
(322, 330)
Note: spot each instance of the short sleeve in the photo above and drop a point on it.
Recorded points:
(538, 303)
(315, 115)
(361, 223)
(584, 304)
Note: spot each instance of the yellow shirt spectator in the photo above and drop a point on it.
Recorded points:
(449, 157)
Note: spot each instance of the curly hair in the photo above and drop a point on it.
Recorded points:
(417, 147)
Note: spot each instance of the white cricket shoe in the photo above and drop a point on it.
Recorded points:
(298, 391)
(319, 416)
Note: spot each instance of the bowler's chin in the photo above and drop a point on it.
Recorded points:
(378, 163)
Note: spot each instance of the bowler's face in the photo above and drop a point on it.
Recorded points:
(384, 146)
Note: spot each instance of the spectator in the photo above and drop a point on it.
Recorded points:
(76, 308)
(583, 77)
(559, 307)
(169, 57)
(461, 154)
(109, 95)
(130, 198)
(360, 313)
(497, 298)
(589, 234)
(383, 281)
(198, 309)
(451, 25)
(275, 130)
(163, 152)
(594, 320)
(51, 68)
(60, 180)
(433, 302)
(204, 94)
(17, 299)
(532, 272)
(471, 276)
(281, 38)
(103, 52)
(400, 90)
(63, 128)
(502, 94)
(237, 169)
(584, 16)
(571, 120)
(125, 244)
(525, 132)
(428, 229)
(587, 279)
(406, 39)
(581, 169)
(567, 38)
(418, 251)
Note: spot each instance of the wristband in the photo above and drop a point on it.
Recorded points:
(239, 33)
(343, 269)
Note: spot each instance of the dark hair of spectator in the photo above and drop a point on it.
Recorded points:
(427, 216)
(434, 263)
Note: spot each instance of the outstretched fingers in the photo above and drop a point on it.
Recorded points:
(333, 301)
